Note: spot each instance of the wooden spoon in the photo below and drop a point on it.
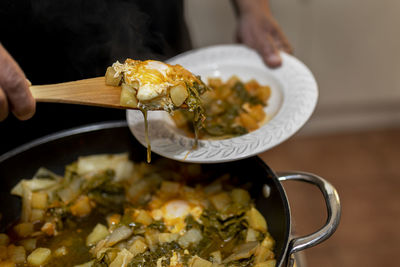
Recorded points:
(92, 92)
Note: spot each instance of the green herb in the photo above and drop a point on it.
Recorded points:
(158, 225)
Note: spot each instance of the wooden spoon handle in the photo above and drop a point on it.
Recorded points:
(93, 92)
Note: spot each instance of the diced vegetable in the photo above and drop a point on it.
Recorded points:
(263, 254)
(39, 256)
(252, 235)
(113, 219)
(216, 256)
(71, 191)
(37, 215)
(143, 217)
(199, 262)
(240, 196)
(138, 246)
(119, 163)
(39, 200)
(221, 201)
(122, 259)
(232, 108)
(81, 207)
(128, 96)
(264, 92)
(16, 254)
(33, 185)
(23, 229)
(256, 220)
(29, 244)
(137, 191)
(121, 233)
(26, 202)
(248, 121)
(61, 251)
(111, 78)
(167, 237)
(256, 112)
(49, 228)
(193, 236)
(268, 242)
(179, 94)
(99, 232)
(151, 237)
(171, 222)
(244, 251)
(214, 82)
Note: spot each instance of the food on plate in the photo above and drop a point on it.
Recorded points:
(154, 85)
(231, 108)
(109, 211)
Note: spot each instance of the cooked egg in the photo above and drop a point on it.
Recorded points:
(174, 213)
(152, 79)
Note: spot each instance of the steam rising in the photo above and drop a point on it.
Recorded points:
(87, 36)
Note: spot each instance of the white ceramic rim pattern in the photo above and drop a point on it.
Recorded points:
(293, 81)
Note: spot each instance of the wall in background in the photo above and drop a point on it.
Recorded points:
(350, 46)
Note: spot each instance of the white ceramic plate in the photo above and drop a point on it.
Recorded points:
(294, 94)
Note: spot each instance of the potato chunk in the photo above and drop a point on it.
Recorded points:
(178, 94)
(128, 96)
(221, 201)
(256, 220)
(199, 262)
(81, 207)
(143, 217)
(99, 232)
(39, 256)
(110, 77)
(23, 229)
(39, 200)
(138, 246)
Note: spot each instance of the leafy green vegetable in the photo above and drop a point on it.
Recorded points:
(149, 259)
(244, 96)
(158, 225)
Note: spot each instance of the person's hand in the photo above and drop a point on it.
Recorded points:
(259, 30)
(15, 95)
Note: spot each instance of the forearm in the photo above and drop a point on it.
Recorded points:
(251, 6)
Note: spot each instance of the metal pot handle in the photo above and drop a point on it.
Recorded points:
(332, 204)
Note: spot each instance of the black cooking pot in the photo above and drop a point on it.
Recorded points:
(57, 150)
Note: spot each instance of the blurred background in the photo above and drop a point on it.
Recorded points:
(352, 139)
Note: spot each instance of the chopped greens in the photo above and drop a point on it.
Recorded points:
(230, 109)
(121, 213)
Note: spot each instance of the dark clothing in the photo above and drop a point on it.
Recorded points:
(57, 41)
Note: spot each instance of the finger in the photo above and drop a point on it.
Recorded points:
(282, 42)
(269, 51)
(3, 105)
(16, 87)
(24, 105)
